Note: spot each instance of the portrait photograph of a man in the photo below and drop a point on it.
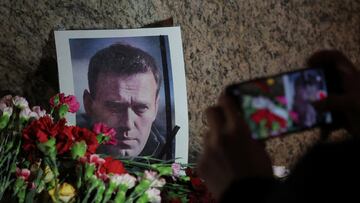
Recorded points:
(127, 84)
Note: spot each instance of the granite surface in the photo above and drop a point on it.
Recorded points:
(224, 42)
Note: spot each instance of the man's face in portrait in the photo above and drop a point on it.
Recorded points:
(127, 103)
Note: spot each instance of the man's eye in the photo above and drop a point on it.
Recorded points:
(140, 108)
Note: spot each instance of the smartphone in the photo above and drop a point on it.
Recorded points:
(283, 103)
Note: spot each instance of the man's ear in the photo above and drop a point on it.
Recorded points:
(87, 102)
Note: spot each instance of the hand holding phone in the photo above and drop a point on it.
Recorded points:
(274, 98)
(345, 101)
(282, 104)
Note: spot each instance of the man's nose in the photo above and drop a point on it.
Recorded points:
(126, 119)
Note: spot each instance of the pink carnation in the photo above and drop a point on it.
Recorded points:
(176, 169)
(101, 128)
(70, 101)
(23, 173)
(96, 159)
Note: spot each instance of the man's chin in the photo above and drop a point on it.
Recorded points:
(118, 151)
(127, 153)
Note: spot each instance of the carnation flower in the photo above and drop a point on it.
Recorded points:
(158, 183)
(66, 193)
(60, 99)
(61, 158)
(25, 114)
(38, 131)
(105, 133)
(64, 139)
(49, 175)
(175, 169)
(7, 111)
(112, 166)
(7, 100)
(96, 159)
(20, 102)
(23, 173)
(2, 106)
(124, 179)
(37, 112)
(153, 195)
(88, 136)
(72, 103)
(150, 175)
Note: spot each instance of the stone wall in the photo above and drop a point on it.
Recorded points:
(224, 42)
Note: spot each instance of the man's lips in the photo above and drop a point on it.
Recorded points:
(127, 143)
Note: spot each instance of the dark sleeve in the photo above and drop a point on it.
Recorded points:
(254, 189)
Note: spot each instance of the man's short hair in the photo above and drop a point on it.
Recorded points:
(124, 60)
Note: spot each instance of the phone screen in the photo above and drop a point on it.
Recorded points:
(283, 104)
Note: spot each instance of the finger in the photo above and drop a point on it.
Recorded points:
(233, 115)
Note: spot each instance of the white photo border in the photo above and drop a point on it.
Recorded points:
(178, 69)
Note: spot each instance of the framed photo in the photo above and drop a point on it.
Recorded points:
(133, 80)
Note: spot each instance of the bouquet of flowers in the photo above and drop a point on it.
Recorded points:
(44, 159)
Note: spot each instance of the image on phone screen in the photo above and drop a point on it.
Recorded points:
(283, 104)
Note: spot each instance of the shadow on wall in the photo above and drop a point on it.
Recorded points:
(42, 84)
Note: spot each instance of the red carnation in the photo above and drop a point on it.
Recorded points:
(38, 131)
(259, 115)
(275, 118)
(268, 116)
(64, 140)
(43, 129)
(200, 192)
(112, 166)
(88, 136)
